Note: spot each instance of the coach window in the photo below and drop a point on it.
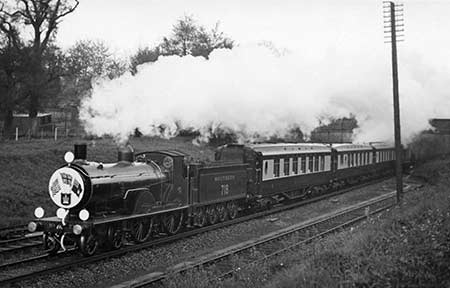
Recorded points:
(286, 166)
(322, 163)
(295, 165)
(316, 163)
(303, 164)
(266, 167)
(276, 167)
(310, 164)
(341, 160)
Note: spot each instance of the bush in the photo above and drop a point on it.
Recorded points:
(427, 146)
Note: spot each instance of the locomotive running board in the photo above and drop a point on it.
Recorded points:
(131, 217)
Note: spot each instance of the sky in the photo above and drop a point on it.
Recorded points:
(314, 25)
(336, 49)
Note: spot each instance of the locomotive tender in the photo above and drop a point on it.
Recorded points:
(163, 191)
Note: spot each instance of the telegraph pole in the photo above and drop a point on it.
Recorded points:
(393, 17)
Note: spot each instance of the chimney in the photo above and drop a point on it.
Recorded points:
(126, 153)
(80, 151)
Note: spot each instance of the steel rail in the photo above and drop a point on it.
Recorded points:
(13, 231)
(20, 243)
(67, 263)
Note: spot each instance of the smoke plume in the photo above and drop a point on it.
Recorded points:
(260, 90)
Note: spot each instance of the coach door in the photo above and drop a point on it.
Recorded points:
(334, 160)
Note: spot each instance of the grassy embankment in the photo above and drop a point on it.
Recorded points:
(26, 167)
(408, 246)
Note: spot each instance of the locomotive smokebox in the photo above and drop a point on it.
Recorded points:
(126, 154)
(80, 151)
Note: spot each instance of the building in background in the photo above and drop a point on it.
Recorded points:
(22, 122)
(441, 125)
(65, 120)
(337, 131)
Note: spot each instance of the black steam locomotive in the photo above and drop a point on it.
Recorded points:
(163, 191)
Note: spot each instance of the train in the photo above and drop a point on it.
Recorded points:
(104, 205)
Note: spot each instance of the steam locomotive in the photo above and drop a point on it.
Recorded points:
(149, 193)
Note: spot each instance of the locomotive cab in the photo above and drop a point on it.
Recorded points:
(173, 166)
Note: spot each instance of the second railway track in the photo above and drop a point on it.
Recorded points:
(20, 243)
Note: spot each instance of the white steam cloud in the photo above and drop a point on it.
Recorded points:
(257, 89)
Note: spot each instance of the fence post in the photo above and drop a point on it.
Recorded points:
(17, 133)
(56, 133)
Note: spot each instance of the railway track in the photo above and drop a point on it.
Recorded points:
(16, 238)
(13, 231)
(26, 268)
(20, 243)
(221, 264)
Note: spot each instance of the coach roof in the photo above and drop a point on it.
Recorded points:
(290, 148)
(382, 145)
(351, 147)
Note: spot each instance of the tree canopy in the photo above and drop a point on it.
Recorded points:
(187, 38)
(86, 61)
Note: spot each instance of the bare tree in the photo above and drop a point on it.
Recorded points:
(43, 16)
